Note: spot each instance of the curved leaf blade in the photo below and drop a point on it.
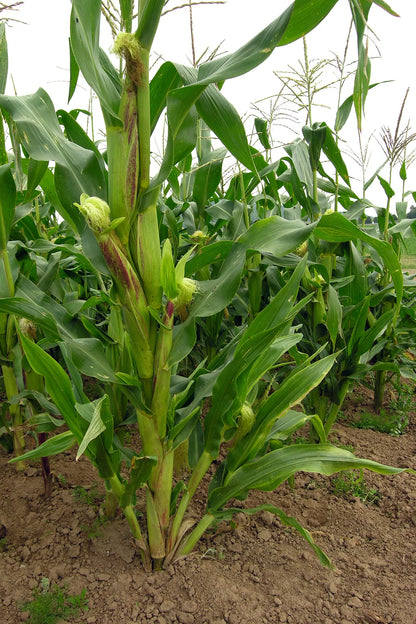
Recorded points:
(269, 471)
(52, 446)
(7, 204)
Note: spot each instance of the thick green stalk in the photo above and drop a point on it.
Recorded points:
(8, 271)
(336, 407)
(133, 301)
(196, 534)
(143, 120)
(117, 488)
(379, 390)
(255, 284)
(161, 383)
(315, 186)
(3, 152)
(154, 532)
(149, 435)
(198, 474)
(163, 490)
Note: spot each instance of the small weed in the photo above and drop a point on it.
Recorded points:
(392, 423)
(214, 553)
(95, 530)
(91, 497)
(403, 399)
(3, 544)
(349, 484)
(49, 605)
(62, 480)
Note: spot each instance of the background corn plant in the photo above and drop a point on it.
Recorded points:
(155, 304)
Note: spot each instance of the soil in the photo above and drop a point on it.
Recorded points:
(254, 571)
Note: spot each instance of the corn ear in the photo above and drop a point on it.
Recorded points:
(167, 272)
(149, 256)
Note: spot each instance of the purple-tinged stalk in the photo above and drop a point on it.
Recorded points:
(36, 382)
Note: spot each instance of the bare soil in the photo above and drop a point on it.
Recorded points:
(252, 572)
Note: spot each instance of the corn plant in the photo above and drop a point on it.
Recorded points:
(113, 204)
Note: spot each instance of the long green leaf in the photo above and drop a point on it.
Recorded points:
(52, 446)
(336, 228)
(7, 204)
(77, 170)
(273, 235)
(57, 385)
(286, 520)
(30, 310)
(149, 17)
(207, 177)
(334, 315)
(269, 471)
(96, 426)
(4, 63)
(85, 33)
(287, 395)
(89, 357)
(298, 19)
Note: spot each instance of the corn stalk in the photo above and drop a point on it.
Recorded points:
(114, 207)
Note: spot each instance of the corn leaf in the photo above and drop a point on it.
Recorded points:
(360, 318)
(386, 187)
(386, 7)
(291, 392)
(315, 138)
(141, 467)
(96, 427)
(336, 228)
(208, 177)
(219, 114)
(334, 315)
(149, 17)
(286, 520)
(272, 235)
(288, 424)
(333, 153)
(4, 61)
(35, 172)
(43, 139)
(345, 108)
(73, 73)
(7, 204)
(223, 119)
(369, 337)
(360, 10)
(52, 446)
(262, 133)
(257, 351)
(357, 289)
(57, 385)
(268, 472)
(297, 20)
(95, 66)
(89, 357)
(30, 310)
